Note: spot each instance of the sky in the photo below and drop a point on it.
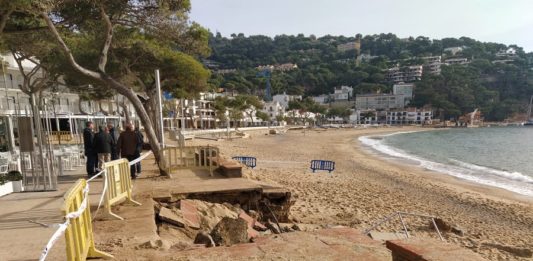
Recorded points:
(502, 21)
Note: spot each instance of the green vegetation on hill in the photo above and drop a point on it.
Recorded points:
(499, 90)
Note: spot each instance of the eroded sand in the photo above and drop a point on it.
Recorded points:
(365, 188)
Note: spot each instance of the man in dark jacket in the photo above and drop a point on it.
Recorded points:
(114, 140)
(90, 154)
(127, 147)
(140, 140)
(102, 146)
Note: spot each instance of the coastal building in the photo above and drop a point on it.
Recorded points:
(432, 64)
(456, 61)
(404, 74)
(284, 99)
(190, 113)
(454, 50)
(342, 93)
(346, 46)
(225, 71)
(405, 89)
(62, 109)
(409, 116)
(379, 101)
(274, 109)
(278, 67)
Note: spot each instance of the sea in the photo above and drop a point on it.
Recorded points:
(498, 156)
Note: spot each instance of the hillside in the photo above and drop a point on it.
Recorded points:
(496, 78)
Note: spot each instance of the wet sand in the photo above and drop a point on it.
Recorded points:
(365, 188)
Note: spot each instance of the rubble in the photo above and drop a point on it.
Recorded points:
(230, 231)
(273, 227)
(172, 217)
(212, 224)
(204, 238)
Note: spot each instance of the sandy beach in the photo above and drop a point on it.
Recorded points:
(365, 188)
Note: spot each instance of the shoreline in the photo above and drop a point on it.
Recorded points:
(490, 191)
(365, 188)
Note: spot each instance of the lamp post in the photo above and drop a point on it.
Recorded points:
(5, 82)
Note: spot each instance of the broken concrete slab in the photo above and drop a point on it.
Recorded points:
(230, 231)
(252, 223)
(384, 236)
(190, 214)
(429, 249)
(171, 217)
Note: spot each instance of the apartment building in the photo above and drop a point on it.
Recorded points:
(380, 101)
(404, 74)
(409, 116)
(454, 61)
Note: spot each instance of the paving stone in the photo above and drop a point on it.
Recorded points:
(190, 213)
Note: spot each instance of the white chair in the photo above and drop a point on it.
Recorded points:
(4, 166)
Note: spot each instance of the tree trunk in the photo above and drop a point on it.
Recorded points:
(143, 115)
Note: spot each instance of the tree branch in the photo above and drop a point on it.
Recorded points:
(109, 37)
(4, 18)
(66, 49)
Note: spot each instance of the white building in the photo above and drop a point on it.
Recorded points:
(379, 101)
(346, 47)
(454, 50)
(405, 89)
(404, 74)
(410, 116)
(343, 93)
(432, 64)
(191, 113)
(460, 61)
(284, 99)
(273, 109)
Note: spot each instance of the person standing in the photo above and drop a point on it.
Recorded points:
(102, 146)
(90, 154)
(140, 141)
(114, 140)
(127, 147)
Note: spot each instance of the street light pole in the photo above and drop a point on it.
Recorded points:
(5, 82)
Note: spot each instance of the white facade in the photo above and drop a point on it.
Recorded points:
(454, 50)
(342, 93)
(379, 101)
(346, 46)
(460, 61)
(273, 109)
(410, 116)
(405, 89)
(405, 74)
(284, 99)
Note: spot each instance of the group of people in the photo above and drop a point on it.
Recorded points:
(107, 144)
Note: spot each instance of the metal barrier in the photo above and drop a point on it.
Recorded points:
(202, 157)
(79, 231)
(118, 178)
(60, 136)
(323, 165)
(250, 162)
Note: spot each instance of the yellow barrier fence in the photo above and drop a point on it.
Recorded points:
(119, 185)
(79, 233)
(60, 136)
(203, 157)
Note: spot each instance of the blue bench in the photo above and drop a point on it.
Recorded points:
(250, 162)
(323, 165)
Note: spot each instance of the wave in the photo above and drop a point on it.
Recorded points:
(512, 181)
(506, 174)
